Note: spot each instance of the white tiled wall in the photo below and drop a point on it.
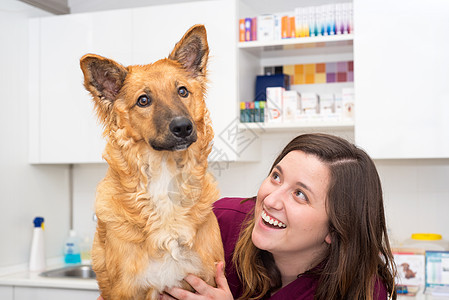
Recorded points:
(416, 196)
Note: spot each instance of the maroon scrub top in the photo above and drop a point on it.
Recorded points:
(231, 214)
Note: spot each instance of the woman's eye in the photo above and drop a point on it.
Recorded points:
(275, 177)
(183, 92)
(143, 101)
(299, 194)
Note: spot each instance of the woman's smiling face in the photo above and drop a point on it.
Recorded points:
(291, 218)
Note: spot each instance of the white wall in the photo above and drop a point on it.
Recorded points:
(25, 190)
(416, 196)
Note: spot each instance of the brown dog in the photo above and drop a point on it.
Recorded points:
(154, 207)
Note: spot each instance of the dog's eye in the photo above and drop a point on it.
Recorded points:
(183, 92)
(143, 101)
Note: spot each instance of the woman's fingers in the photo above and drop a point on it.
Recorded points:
(178, 293)
(166, 296)
(203, 290)
(220, 277)
(198, 284)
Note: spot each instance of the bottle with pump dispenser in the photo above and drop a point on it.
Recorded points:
(37, 255)
(72, 253)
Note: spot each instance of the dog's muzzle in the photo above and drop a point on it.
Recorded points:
(181, 127)
(182, 135)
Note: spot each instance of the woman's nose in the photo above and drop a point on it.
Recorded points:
(275, 199)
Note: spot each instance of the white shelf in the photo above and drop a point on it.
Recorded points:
(299, 125)
(297, 43)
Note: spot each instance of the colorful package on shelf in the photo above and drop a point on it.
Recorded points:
(251, 112)
(284, 106)
(241, 30)
(330, 72)
(256, 111)
(310, 105)
(348, 103)
(437, 273)
(288, 25)
(265, 81)
(322, 20)
(277, 30)
(410, 266)
(248, 24)
(265, 27)
(327, 105)
(305, 22)
(242, 112)
(254, 25)
(262, 110)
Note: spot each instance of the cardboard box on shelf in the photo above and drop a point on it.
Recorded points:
(274, 104)
(309, 104)
(292, 106)
(327, 105)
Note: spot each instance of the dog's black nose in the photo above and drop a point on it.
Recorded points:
(181, 127)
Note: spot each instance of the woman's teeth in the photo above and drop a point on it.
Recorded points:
(272, 221)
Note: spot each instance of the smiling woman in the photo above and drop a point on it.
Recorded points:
(294, 194)
(315, 230)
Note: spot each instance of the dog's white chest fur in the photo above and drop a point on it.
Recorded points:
(173, 236)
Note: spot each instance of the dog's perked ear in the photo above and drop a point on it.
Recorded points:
(103, 78)
(192, 51)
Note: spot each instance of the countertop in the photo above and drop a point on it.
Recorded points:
(421, 296)
(20, 276)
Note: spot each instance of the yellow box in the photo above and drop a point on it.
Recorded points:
(289, 70)
(299, 69)
(310, 78)
(309, 68)
(320, 77)
(299, 79)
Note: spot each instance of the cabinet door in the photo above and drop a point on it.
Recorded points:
(157, 29)
(6, 293)
(68, 129)
(401, 78)
(36, 293)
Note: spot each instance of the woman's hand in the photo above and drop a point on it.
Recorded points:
(203, 290)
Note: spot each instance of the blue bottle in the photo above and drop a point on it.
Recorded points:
(72, 251)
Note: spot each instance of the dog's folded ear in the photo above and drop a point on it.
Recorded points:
(192, 51)
(103, 78)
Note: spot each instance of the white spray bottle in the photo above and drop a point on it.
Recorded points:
(37, 255)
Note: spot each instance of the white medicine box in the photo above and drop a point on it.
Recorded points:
(327, 105)
(292, 106)
(309, 104)
(274, 104)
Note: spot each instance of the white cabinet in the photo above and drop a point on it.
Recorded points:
(401, 78)
(41, 293)
(63, 127)
(6, 293)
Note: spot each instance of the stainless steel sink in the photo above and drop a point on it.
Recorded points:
(78, 271)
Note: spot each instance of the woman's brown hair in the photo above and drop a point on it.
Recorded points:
(359, 254)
